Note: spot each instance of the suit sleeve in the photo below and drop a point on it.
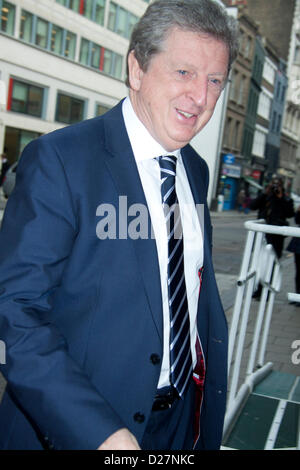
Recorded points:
(36, 238)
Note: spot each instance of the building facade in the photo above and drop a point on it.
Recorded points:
(61, 61)
(273, 143)
(265, 138)
(290, 143)
(260, 149)
(280, 21)
(237, 114)
(253, 130)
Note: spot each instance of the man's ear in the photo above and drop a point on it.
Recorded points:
(135, 72)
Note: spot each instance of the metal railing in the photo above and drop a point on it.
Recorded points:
(259, 264)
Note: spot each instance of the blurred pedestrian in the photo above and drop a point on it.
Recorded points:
(247, 202)
(241, 199)
(294, 247)
(275, 207)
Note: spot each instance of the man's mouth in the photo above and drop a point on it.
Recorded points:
(185, 114)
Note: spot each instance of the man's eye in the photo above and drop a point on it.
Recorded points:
(215, 81)
(183, 73)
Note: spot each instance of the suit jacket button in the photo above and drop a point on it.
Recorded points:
(139, 417)
(155, 359)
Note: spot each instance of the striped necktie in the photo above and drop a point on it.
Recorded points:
(180, 348)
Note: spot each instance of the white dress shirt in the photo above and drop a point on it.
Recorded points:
(145, 150)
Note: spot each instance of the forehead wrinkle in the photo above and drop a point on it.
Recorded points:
(182, 63)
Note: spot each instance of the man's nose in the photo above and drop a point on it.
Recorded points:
(198, 91)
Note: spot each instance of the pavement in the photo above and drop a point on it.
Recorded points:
(285, 324)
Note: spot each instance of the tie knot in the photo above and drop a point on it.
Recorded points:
(168, 165)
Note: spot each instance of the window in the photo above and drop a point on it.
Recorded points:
(91, 9)
(7, 17)
(264, 104)
(112, 64)
(278, 90)
(269, 71)
(101, 109)
(105, 60)
(84, 52)
(26, 26)
(69, 109)
(72, 4)
(117, 66)
(247, 142)
(56, 39)
(120, 20)
(233, 86)
(248, 47)
(241, 91)
(253, 102)
(236, 135)
(227, 134)
(107, 64)
(99, 11)
(259, 142)
(112, 14)
(278, 128)
(69, 45)
(88, 9)
(132, 20)
(16, 140)
(274, 120)
(96, 56)
(41, 35)
(25, 98)
(47, 35)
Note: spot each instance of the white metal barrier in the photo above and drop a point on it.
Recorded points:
(259, 263)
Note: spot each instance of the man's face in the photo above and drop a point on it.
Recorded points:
(176, 96)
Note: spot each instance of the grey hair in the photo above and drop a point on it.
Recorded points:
(199, 16)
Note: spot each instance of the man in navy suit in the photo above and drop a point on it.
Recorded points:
(84, 309)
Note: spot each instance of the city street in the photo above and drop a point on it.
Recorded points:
(229, 237)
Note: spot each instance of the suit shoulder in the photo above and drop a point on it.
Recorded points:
(191, 153)
(77, 131)
(78, 141)
(80, 136)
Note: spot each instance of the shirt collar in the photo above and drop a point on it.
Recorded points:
(144, 146)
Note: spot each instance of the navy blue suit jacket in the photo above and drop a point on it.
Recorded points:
(82, 317)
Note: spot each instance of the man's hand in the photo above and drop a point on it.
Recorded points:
(120, 440)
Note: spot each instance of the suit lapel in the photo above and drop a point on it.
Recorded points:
(122, 167)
